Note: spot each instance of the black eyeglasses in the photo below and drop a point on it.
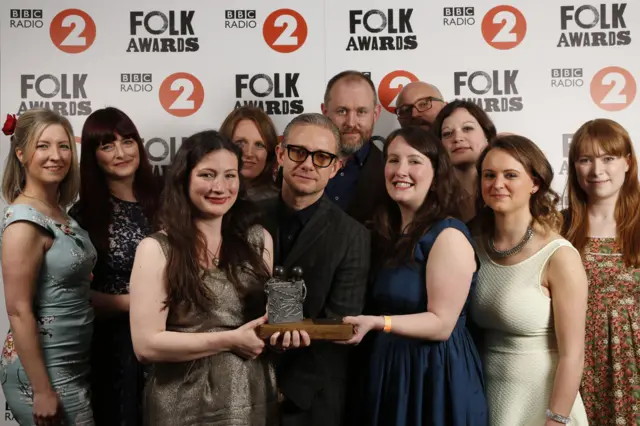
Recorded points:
(320, 159)
(421, 105)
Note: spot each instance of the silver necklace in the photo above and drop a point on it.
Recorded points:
(42, 201)
(513, 250)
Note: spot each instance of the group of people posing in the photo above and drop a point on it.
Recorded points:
(475, 298)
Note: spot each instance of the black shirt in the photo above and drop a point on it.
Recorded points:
(341, 188)
(290, 224)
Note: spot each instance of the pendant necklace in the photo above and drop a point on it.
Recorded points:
(216, 256)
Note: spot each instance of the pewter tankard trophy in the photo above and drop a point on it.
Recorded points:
(285, 307)
(285, 298)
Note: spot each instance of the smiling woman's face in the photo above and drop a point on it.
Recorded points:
(408, 174)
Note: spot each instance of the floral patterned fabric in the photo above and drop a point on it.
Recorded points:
(611, 381)
(117, 378)
(65, 318)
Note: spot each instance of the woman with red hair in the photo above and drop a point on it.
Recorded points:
(603, 223)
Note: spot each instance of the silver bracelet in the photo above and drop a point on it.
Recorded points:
(557, 417)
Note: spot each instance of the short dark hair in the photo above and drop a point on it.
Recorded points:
(478, 113)
(350, 75)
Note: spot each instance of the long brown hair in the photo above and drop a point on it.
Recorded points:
(187, 245)
(442, 201)
(614, 140)
(94, 209)
(543, 203)
(266, 129)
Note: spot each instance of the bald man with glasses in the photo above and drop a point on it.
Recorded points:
(418, 104)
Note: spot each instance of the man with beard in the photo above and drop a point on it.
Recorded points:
(418, 104)
(350, 101)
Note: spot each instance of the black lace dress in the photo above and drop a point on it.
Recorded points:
(117, 378)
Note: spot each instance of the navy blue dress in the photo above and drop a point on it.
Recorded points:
(416, 382)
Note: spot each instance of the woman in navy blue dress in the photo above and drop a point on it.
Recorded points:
(423, 368)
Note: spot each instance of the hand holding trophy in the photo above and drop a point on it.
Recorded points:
(285, 299)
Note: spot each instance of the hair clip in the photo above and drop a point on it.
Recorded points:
(9, 125)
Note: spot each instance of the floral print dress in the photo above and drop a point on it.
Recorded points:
(65, 319)
(611, 381)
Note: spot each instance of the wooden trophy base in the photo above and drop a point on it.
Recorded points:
(317, 330)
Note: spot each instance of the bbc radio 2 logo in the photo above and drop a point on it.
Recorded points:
(136, 82)
(375, 30)
(276, 94)
(504, 27)
(159, 32)
(390, 87)
(181, 94)
(591, 26)
(285, 30)
(494, 91)
(240, 19)
(567, 77)
(458, 16)
(72, 31)
(613, 88)
(25, 18)
(64, 93)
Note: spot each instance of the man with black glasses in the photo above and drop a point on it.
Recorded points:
(418, 104)
(333, 249)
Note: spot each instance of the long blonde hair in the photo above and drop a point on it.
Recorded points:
(614, 140)
(28, 130)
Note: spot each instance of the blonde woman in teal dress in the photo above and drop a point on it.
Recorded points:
(46, 266)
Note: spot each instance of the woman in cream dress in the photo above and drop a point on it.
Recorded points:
(531, 295)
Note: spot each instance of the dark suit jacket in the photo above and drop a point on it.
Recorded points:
(370, 189)
(333, 251)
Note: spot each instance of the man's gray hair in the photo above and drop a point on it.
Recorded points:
(313, 119)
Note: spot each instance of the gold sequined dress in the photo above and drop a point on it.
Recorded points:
(222, 389)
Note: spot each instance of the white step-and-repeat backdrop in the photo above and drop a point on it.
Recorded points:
(540, 68)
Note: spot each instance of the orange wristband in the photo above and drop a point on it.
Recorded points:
(387, 324)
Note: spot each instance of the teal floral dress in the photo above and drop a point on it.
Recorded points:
(65, 318)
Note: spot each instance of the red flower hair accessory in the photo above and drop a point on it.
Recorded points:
(9, 125)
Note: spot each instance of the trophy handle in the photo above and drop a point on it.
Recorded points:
(304, 292)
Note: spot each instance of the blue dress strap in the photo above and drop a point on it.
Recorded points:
(429, 238)
(26, 213)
